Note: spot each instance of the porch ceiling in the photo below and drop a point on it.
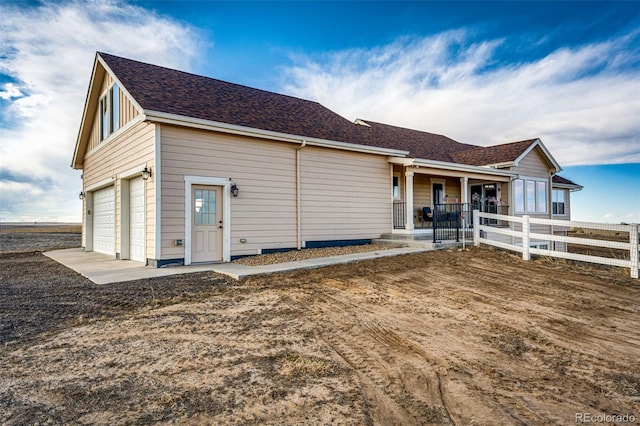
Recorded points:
(499, 176)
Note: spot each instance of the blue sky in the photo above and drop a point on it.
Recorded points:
(479, 72)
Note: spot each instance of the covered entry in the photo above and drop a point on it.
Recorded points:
(426, 186)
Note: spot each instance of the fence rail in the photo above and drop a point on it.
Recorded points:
(521, 240)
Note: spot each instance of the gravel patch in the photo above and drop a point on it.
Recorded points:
(304, 254)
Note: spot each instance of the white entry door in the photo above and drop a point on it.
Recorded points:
(136, 220)
(206, 242)
(104, 221)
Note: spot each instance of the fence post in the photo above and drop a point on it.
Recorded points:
(476, 228)
(526, 227)
(633, 239)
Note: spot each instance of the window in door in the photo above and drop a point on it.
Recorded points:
(205, 207)
(438, 193)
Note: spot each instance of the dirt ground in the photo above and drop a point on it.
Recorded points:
(444, 337)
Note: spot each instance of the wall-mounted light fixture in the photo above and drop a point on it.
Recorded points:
(234, 190)
(81, 195)
(146, 173)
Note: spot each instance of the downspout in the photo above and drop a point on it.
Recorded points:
(298, 201)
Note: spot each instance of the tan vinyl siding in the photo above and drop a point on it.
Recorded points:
(533, 165)
(503, 196)
(567, 204)
(127, 112)
(452, 188)
(130, 148)
(264, 213)
(421, 196)
(344, 195)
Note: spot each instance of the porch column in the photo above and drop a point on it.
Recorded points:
(464, 184)
(408, 198)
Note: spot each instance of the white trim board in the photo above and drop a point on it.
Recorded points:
(225, 183)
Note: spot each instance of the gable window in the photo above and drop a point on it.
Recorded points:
(114, 97)
(558, 202)
(530, 195)
(104, 118)
(109, 110)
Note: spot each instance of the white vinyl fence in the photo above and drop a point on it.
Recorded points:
(543, 243)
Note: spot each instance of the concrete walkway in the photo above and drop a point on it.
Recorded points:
(104, 269)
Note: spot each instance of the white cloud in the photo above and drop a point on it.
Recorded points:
(10, 91)
(48, 52)
(584, 103)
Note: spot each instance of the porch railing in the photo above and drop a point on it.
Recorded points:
(452, 222)
(399, 214)
(455, 221)
(449, 220)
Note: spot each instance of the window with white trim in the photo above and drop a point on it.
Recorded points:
(114, 97)
(396, 187)
(109, 110)
(530, 195)
(558, 202)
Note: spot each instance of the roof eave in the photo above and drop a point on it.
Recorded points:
(420, 162)
(572, 188)
(181, 120)
(77, 162)
(537, 142)
(500, 165)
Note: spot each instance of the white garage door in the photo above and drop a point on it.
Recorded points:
(104, 221)
(136, 220)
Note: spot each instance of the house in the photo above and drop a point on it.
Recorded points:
(180, 168)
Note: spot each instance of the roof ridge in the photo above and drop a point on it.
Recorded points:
(499, 145)
(407, 128)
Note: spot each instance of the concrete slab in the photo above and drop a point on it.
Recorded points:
(104, 269)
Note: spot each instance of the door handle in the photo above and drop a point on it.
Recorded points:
(220, 226)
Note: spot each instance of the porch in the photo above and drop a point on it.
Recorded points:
(445, 222)
(435, 201)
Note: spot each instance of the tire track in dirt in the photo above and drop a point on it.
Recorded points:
(400, 382)
(529, 342)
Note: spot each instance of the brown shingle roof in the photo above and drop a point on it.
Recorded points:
(496, 154)
(564, 181)
(170, 91)
(420, 144)
(166, 90)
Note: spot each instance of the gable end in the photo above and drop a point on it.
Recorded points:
(89, 134)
